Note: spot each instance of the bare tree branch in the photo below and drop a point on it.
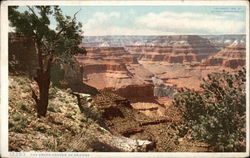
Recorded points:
(32, 10)
(74, 18)
(76, 14)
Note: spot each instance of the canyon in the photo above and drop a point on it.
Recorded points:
(120, 92)
(149, 70)
(144, 68)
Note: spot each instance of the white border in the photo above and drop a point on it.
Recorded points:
(124, 2)
(4, 76)
(4, 83)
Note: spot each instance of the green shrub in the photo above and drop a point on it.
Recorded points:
(18, 123)
(92, 114)
(69, 115)
(53, 108)
(52, 132)
(21, 80)
(35, 146)
(26, 89)
(22, 106)
(52, 92)
(17, 117)
(17, 128)
(40, 128)
(49, 144)
(217, 114)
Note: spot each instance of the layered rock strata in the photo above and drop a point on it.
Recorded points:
(116, 70)
(232, 56)
(179, 49)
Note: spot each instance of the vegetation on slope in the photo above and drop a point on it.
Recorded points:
(217, 114)
(51, 133)
(65, 128)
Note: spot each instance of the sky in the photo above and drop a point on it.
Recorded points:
(158, 20)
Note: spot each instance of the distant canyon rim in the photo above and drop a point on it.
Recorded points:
(153, 68)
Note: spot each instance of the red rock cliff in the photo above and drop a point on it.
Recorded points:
(232, 56)
(179, 49)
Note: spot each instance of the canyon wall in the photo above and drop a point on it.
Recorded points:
(177, 49)
(127, 65)
(232, 56)
(114, 69)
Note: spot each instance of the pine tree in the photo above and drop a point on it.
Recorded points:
(50, 44)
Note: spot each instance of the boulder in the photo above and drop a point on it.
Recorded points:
(130, 145)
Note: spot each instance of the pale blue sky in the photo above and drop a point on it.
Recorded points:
(158, 20)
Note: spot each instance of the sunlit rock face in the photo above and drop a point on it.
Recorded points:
(176, 49)
(114, 69)
(128, 65)
(233, 56)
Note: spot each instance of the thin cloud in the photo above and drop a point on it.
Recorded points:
(163, 23)
(100, 22)
(191, 23)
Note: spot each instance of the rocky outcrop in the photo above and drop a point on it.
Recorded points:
(107, 142)
(103, 67)
(116, 70)
(113, 110)
(136, 92)
(232, 56)
(117, 116)
(128, 144)
(219, 41)
(172, 49)
(161, 89)
(177, 49)
(164, 90)
(150, 109)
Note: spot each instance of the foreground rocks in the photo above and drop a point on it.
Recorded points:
(108, 142)
(108, 123)
(130, 145)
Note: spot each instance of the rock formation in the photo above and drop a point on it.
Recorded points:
(127, 65)
(232, 56)
(116, 70)
(178, 49)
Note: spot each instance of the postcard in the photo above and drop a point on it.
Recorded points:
(124, 79)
